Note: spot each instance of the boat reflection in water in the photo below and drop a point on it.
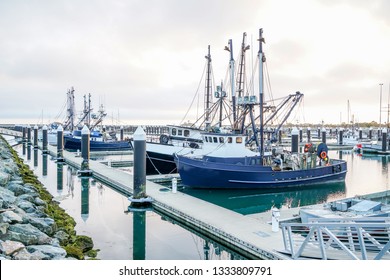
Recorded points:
(257, 201)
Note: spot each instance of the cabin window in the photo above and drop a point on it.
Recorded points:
(180, 132)
(186, 133)
(229, 140)
(173, 131)
(239, 140)
(206, 139)
(215, 139)
(221, 140)
(210, 139)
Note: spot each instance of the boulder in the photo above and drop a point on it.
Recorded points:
(18, 189)
(27, 206)
(51, 251)
(3, 228)
(24, 254)
(10, 217)
(10, 247)
(4, 178)
(46, 225)
(7, 196)
(27, 234)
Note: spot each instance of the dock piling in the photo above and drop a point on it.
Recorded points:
(28, 134)
(44, 140)
(85, 152)
(35, 137)
(384, 140)
(323, 135)
(139, 198)
(341, 136)
(60, 143)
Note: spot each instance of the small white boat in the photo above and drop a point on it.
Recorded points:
(345, 208)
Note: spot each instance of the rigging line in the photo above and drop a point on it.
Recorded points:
(268, 79)
(154, 166)
(61, 111)
(252, 79)
(196, 94)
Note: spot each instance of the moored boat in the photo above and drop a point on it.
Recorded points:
(98, 142)
(226, 161)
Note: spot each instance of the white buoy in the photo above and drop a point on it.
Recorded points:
(275, 219)
(174, 185)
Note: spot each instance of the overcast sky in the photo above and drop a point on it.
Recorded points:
(144, 59)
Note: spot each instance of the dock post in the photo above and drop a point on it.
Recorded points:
(308, 135)
(139, 198)
(35, 137)
(360, 134)
(44, 139)
(85, 152)
(60, 143)
(300, 135)
(280, 136)
(384, 140)
(122, 133)
(275, 219)
(294, 140)
(28, 134)
(379, 134)
(24, 133)
(319, 133)
(324, 135)
(341, 136)
(370, 133)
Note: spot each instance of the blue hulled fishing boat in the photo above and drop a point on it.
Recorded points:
(226, 161)
(98, 142)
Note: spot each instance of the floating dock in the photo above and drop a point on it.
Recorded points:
(248, 235)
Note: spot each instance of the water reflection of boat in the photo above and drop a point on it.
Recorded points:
(257, 201)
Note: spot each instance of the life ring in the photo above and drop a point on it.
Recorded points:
(164, 139)
(323, 155)
(307, 147)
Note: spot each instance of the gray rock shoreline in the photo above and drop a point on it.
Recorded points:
(26, 231)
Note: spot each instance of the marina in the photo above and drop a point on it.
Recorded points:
(250, 210)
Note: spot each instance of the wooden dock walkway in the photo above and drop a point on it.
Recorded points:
(250, 236)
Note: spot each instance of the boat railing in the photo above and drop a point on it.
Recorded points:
(343, 238)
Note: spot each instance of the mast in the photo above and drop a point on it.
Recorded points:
(208, 89)
(261, 93)
(241, 70)
(231, 68)
(70, 110)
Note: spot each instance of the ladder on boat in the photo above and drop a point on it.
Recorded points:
(348, 238)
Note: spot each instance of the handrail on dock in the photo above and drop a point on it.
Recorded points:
(358, 239)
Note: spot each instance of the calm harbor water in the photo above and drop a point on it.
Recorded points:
(101, 212)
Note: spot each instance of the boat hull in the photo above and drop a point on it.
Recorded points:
(198, 173)
(75, 144)
(160, 157)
